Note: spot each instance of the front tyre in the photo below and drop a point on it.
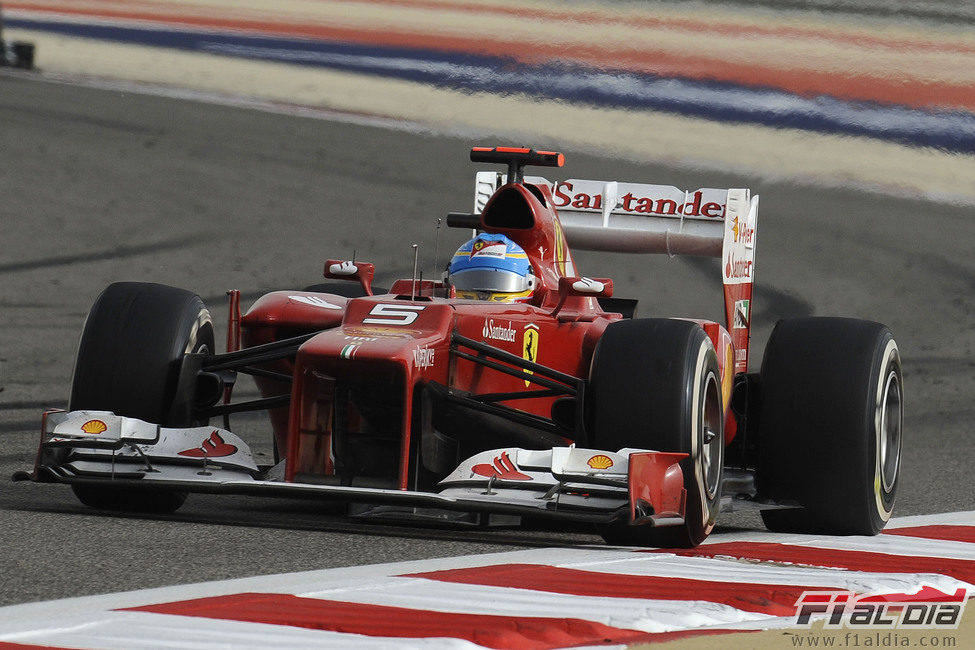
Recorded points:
(128, 362)
(831, 425)
(655, 384)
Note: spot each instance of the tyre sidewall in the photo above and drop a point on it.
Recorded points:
(887, 367)
(706, 378)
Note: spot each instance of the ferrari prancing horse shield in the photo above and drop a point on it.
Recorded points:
(529, 347)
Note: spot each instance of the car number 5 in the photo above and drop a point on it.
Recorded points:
(386, 314)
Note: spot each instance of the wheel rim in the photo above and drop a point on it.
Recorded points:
(891, 420)
(713, 441)
(193, 341)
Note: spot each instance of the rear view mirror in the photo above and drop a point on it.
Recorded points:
(351, 270)
(585, 287)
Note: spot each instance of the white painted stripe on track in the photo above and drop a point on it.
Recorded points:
(145, 631)
(964, 518)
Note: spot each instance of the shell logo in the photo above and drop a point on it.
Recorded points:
(600, 462)
(94, 426)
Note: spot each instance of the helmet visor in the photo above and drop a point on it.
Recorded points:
(489, 280)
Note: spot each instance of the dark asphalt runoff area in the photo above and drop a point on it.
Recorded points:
(98, 186)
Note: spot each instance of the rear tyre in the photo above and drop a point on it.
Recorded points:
(830, 425)
(655, 384)
(128, 362)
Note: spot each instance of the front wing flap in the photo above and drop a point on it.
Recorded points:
(569, 483)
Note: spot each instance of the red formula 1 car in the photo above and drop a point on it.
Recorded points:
(515, 387)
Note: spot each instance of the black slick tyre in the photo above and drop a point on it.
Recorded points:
(830, 425)
(128, 363)
(655, 384)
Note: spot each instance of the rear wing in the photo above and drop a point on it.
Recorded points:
(645, 218)
(638, 217)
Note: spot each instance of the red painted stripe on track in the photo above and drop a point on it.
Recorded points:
(777, 600)
(514, 632)
(826, 557)
(918, 93)
(946, 532)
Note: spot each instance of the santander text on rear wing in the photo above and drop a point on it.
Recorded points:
(646, 218)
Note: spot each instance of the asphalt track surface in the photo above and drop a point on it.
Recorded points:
(99, 186)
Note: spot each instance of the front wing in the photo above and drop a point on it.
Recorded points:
(568, 483)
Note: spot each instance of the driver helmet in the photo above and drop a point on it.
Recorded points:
(491, 267)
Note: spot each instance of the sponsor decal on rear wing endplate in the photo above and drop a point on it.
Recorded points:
(646, 218)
